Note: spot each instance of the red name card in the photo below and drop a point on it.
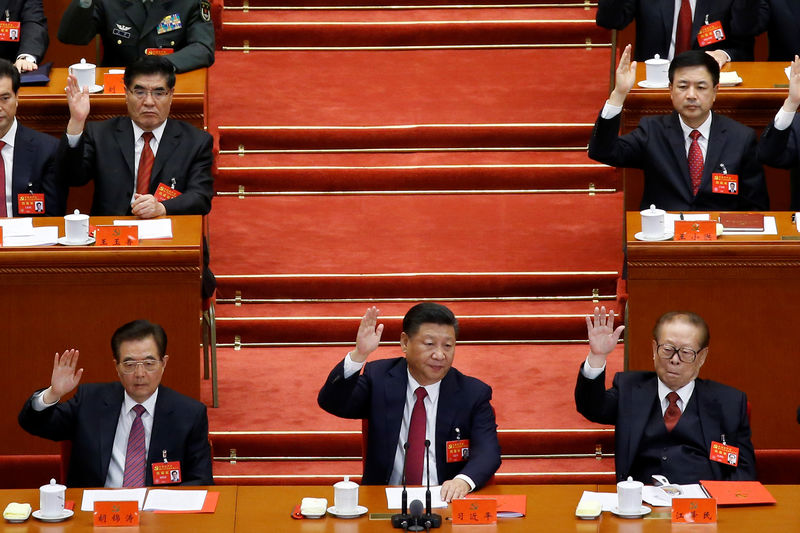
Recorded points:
(474, 511)
(113, 84)
(116, 514)
(694, 510)
(695, 230)
(117, 236)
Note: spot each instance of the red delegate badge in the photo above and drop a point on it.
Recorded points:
(30, 204)
(166, 473)
(710, 34)
(457, 450)
(724, 183)
(9, 30)
(723, 453)
(165, 193)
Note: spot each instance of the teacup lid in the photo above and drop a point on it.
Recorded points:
(629, 484)
(83, 65)
(346, 484)
(656, 60)
(653, 211)
(52, 486)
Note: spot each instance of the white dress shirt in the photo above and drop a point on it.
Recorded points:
(7, 154)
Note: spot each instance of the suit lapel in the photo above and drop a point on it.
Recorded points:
(678, 146)
(168, 146)
(126, 142)
(445, 418)
(158, 10)
(134, 11)
(107, 419)
(643, 394)
(701, 9)
(23, 163)
(159, 438)
(716, 143)
(710, 413)
(395, 398)
(667, 16)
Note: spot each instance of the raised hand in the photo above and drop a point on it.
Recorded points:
(625, 77)
(78, 102)
(368, 337)
(793, 100)
(65, 377)
(603, 337)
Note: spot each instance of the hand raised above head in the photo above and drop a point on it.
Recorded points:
(624, 77)
(78, 102)
(65, 377)
(794, 85)
(603, 338)
(368, 337)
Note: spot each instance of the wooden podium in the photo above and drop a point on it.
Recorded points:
(60, 297)
(747, 288)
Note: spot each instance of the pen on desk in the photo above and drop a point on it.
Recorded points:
(681, 215)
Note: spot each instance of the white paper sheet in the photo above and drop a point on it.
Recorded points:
(111, 495)
(159, 228)
(43, 236)
(608, 500)
(770, 228)
(394, 497)
(174, 500)
(16, 227)
(669, 220)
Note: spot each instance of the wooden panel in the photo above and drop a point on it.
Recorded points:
(75, 297)
(747, 289)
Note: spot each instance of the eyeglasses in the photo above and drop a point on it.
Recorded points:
(141, 94)
(149, 365)
(666, 351)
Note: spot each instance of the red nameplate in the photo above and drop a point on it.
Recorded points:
(474, 511)
(30, 204)
(695, 230)
(694, 510)
(723, 453)
(457, 450)
(116, 514)
(158, 51)
(117, 236)
(113, 84)
(1, 235)
(165, 193)
(724, 183)
(164, 473)
(710, 34)
(9, 30)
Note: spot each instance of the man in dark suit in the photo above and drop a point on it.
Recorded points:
(28, 157)
(26, 52)
(181, 29)
(132, 175)
(658, 28)
(666, 421)
(408, 400)
(781, 20)
(691, 156)
(113, 444)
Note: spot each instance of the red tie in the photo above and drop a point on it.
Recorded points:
(695, 162)
(683, 32)
(416, 440)
(135, 456)
(145, 165)
(673, 412)
(3, 210)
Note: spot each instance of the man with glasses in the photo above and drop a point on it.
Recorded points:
(120, 430)
(668, 422)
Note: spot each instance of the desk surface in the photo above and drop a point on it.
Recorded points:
(550, 508)
(783, 221)
(759, 77)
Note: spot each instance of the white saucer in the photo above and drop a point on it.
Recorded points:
(644, 510)
(65, 242)
(360, 510)
(66, 513)
(642, 237)
(312, 516)
(95, 89)
(649, 85)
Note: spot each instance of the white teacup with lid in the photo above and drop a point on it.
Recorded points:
(51, 499)
(657, 71)
(76, 227)
(85, 73)
(345, 496)
(653, 222)
(629, 496)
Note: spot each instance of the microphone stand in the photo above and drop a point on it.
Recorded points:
(429, 519)
(403, 519)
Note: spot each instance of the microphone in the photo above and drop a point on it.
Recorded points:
(431, 520)
(402, 520)
(416, 515)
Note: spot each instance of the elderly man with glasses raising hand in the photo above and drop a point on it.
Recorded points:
(133, 433)
(667, 422)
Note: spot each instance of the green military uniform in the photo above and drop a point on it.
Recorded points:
(129, 27)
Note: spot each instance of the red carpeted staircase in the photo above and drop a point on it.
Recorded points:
(385, 155)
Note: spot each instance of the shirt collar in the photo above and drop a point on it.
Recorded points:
(149, 404)
(11, 134)
(684, 393)
(157, 133)
(432, 390)
(704, 128)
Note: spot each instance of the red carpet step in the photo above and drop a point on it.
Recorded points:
(533, 25)
(348, 246)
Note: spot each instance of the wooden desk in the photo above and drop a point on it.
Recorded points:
(267, 508)
(45, 108)
(221, 521)
(60, 297)
(754, 103)
(747, 288)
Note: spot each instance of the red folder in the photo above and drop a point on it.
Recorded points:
(738, 492)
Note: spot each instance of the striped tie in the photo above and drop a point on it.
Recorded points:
(145, 165)
(135, 456)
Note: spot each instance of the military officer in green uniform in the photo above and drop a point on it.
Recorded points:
(179, 29)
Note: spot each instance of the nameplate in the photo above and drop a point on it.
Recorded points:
(117, 236)
(694, 510)
(695, 230)
(116, 514)
(474, 511)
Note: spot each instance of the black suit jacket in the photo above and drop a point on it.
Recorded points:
(627, 405)
(657, 146)
(127, 30)
(780, 148)
(781, 19)
(34, 164)
(89, 419)
(379, 395)
(33, 37)
(105, 155)
(654, 20)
